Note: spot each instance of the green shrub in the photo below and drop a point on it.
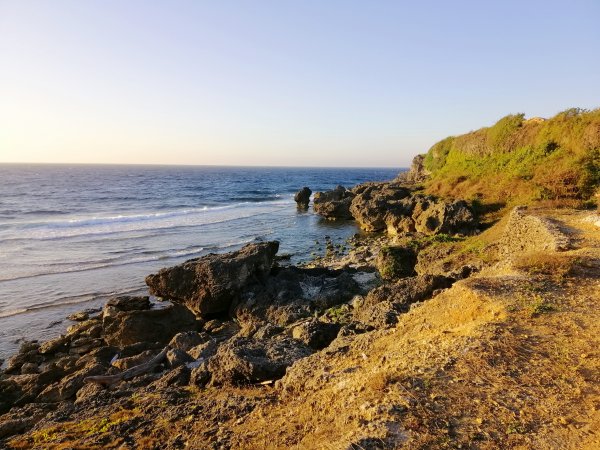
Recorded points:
(500, 134)
(521, 161)
(396, 262)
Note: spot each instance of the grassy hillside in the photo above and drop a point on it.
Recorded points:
(520, 160)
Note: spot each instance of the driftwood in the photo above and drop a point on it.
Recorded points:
(128, 374)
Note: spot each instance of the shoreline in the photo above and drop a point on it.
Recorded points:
(251, 325)
(89, 193)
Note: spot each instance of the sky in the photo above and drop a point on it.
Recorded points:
(289, 83)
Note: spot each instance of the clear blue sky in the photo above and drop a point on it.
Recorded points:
(310, 83)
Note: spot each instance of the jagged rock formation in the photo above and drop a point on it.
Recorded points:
(124, 324)
(210, 284)
(333, 204)
(395, 208)
(417, 172)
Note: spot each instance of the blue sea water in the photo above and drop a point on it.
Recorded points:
(71, 236)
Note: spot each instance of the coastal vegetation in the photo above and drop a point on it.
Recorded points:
(520, 160)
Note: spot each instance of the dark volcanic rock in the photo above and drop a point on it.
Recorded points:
(187, 340)
(9, 394)
(204, 350)
(67, 387)
(122, 328)
(334, 204)
(79, 316)
(210, 284)
(316, 334)
(391, 206)
(291, 294)
(129, 303)
(383, 304)
(437, 216)
(396, 262)
(25, 355)
(176, 377)
(302, 197)
(247, 360)
(176, 358)
(375, 201)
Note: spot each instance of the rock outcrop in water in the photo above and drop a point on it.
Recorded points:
(395, 208)
(334, 204)
(302, 197)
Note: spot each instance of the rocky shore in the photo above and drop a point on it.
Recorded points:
(235, 336)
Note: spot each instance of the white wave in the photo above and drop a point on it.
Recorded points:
(84, 266)
(74, 300)
(142, 222)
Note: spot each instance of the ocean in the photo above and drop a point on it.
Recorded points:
(71, 236)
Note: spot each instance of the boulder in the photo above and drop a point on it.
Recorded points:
(315, 333)
(28, 368)
(248, 360)
(176, 358)
(334, 204)
(129, 303)
(302, 197)
(187, 340)
(292, 294)
(25, 355)
(9, 394)
(267, 331)
(204, 350)
(54, 345)
(82, 328)
(79, 316)
(200, 376)
(375, 202)
(396, 262)
(66, 388)
(433, 216)
(122, 328)
(136, 360)
(399, 224)
(88, 392)
(395, 208)
(210, 284)
(84, 345)
(179, 376)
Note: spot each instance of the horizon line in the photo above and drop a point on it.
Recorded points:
(199, 165)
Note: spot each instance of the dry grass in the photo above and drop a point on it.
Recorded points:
(64, 435)
(556, 266)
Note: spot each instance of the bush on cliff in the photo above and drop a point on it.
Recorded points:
(519, 160)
